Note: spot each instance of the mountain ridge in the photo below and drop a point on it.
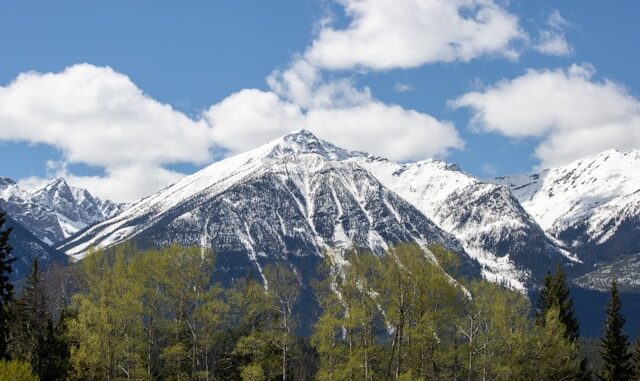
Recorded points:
(334, 198)
(298, 159)
(56, 210)
(592, 204)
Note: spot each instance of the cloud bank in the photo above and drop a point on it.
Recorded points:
(99, 117)
(334, 110)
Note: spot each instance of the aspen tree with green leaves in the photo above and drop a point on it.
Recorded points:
(160, 314)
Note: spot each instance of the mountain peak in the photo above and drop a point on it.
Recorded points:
(301, 134)
(59, 187)
(59, 182)
(304, 142)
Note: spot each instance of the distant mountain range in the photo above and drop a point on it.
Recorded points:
(55, 211)
(299, 198)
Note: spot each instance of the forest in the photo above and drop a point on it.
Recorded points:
(162, 315)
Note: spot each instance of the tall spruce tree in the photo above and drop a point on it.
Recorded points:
(615, 343)
(6, 288)
(34, 337)
(555, 295)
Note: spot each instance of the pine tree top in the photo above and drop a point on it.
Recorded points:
(615, 342)
(555, 294)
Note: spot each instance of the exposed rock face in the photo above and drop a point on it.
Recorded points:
(55, 211)
(592, 206)
(294, 199)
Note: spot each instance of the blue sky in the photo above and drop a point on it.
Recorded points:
(193, 55)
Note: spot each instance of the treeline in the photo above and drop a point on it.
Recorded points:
(159, 315)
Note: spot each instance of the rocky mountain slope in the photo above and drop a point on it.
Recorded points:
(299, 197)
(295, 199)
(55, 211)
(592, 205)
(492, 226)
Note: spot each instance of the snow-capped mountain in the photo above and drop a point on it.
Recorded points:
(300, 196)
(55, 211)
(592, 204)
(295, 199)
(492, 226)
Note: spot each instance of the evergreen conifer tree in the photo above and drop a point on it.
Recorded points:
(636, 360)
(6, 288)
(555, 295)
(31, 322)
(35, 338)
(615, 343)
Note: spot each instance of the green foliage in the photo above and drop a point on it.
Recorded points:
(555, 356)
(252, 372)
(16, 370)
(160, 315)
(615, 343)
(145, 314)
(400, 317)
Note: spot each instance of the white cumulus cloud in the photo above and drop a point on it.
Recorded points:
(251, 117)
(572, 113)
(335, 110)
(387, 34)
(99, 117)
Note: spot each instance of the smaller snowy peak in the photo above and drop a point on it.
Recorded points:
(557, 197)
(55, 211)
(56, 189)
(431, 165)
(425, 184)
(56, 184)
(485, 217)
(304, 142)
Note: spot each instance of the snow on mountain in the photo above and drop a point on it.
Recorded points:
(592, 204)
(294, 199)
(55, 211)
(493, 228)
